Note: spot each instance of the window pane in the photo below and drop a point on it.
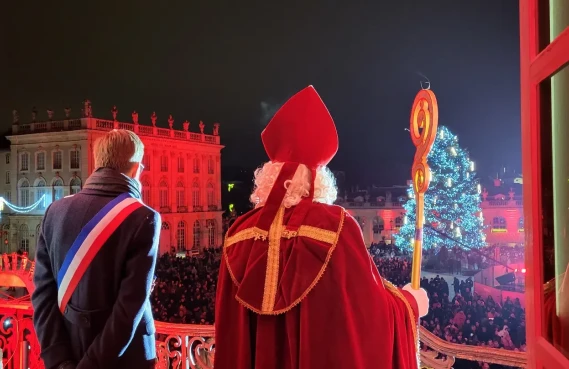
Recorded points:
(40, 164)
(555, 202)
(74, 159)
(57, 155)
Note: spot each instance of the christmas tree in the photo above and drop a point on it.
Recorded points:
(452, 202)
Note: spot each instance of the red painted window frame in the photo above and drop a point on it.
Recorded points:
(535, 67)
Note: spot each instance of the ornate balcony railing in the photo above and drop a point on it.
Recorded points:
(107, 125)
(186, 346)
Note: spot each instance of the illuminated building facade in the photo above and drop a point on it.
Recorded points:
(50, 159)
(380, 213)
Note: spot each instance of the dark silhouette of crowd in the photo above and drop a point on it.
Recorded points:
(184, 289)
(185, 293)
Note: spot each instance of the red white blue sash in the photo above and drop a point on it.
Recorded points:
(90, 240)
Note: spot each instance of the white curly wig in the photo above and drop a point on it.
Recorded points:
(298, 187)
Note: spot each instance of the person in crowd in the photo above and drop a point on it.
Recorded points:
(297, 287)
(94, 268)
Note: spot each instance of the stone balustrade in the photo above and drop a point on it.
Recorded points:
(91, 123)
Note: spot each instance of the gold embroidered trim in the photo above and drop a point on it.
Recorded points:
(289, 234)
(272, 274)
(312, 285)
(395, 291)
(317, 234)
(246, 234)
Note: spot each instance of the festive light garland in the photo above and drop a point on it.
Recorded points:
(21, 209)
(452, 202)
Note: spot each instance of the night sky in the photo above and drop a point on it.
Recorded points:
(232, 61)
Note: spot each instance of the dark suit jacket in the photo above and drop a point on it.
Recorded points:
(108, 322)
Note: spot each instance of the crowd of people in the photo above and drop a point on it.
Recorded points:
(185, 293)
(184, 289)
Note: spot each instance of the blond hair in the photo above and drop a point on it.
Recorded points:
(298, 187)
(118, 149)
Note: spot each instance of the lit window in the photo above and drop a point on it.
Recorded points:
(24, 238)
(75, 185)
(41, 193)
(499, 224)
(57, 189)
(181, 235)
(211, 229)
(24, 189)
(197, 233)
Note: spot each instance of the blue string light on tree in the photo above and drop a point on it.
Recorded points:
(452, 202)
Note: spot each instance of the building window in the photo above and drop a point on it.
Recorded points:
(24, 162)
(8, 177)
(57, 160)
(163, 194)
(24, 238)
(499, 224)
(181, 164)
(210, 166)
(7, 158)
(24, 192)
(210, 195)
(41, 193)
(211, 230)
(378, 225)
(8, 196)
(163, 163)
(57, 189)
(196, 165)
(75, 185)
(181, 236)
(146, 192)
(196, 194)
(74, 159)
(398, 222)
(521, 224)
(197, 234)
(146, 161)
(180, 195)
(40, 161)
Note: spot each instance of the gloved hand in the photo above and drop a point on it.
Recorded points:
(421, 297)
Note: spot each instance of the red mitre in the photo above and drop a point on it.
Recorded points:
(302, 131)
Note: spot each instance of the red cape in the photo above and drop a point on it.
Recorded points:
(309, 298)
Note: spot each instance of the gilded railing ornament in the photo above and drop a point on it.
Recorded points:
(424, 122)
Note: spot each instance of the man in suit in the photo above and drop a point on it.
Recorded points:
(95, 263)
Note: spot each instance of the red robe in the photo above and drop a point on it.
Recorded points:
(308, 298)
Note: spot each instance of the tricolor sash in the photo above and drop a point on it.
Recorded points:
(90, 240)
